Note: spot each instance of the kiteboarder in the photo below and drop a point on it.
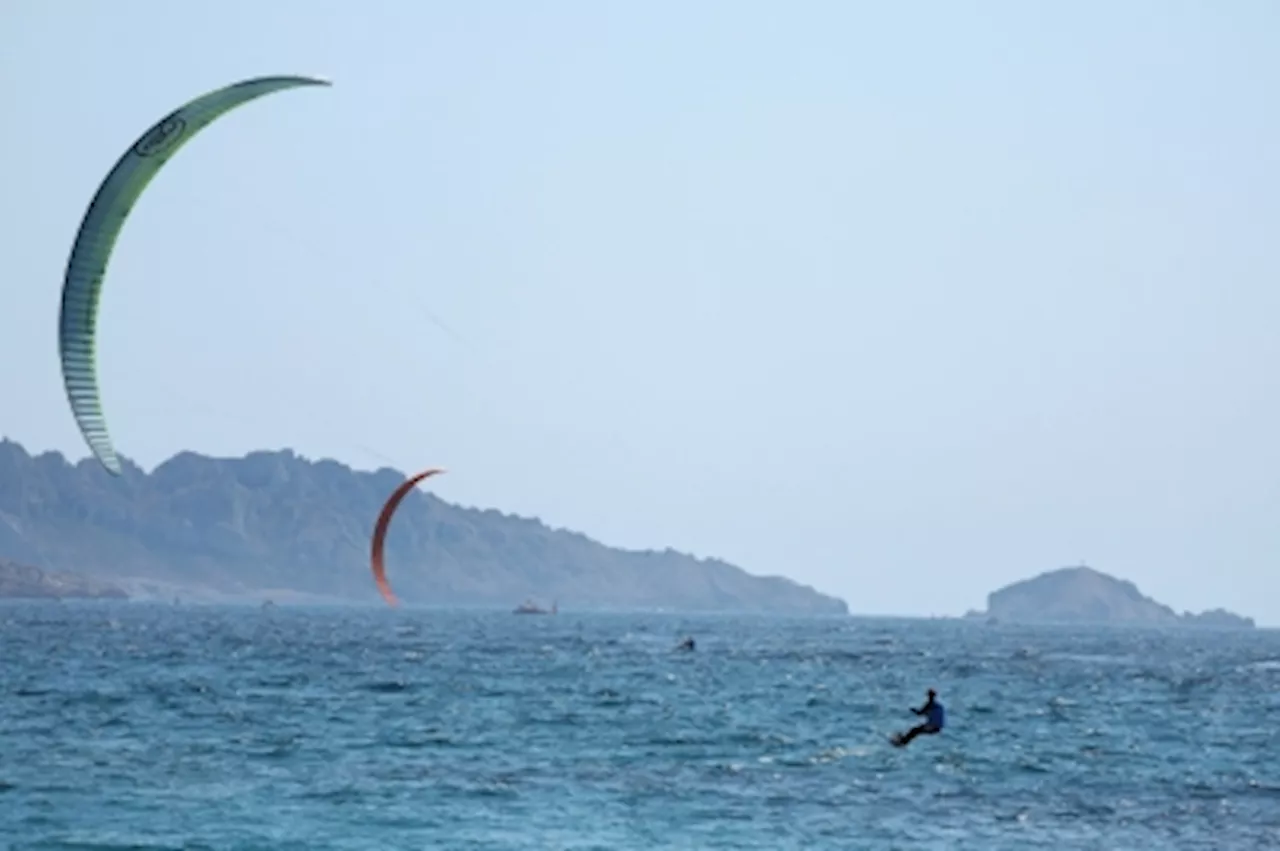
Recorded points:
(935, 720)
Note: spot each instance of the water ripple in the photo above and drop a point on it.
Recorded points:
(150, 727)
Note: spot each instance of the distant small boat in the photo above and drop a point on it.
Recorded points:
(528, 607)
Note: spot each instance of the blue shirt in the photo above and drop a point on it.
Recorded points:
(936, 715)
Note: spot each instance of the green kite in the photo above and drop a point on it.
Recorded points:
(97, 236)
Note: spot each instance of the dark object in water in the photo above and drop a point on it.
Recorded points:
(528, 607)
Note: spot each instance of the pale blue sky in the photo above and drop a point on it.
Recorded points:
(903, 300)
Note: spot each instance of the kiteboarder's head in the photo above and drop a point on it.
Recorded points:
(932, 694)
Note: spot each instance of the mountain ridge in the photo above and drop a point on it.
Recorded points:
(273, 523)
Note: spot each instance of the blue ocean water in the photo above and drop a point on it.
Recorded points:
(136, 726)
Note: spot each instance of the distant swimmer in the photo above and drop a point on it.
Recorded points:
(935, 720)
(687, 644)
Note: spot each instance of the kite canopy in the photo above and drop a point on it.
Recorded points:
(101, 226)
(380, 533)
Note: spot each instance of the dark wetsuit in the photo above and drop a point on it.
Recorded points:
(935, 720)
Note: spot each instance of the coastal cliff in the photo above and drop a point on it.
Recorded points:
(24, 581)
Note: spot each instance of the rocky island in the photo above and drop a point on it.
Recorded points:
(18, 581)
(274, 525)
(1082, 595)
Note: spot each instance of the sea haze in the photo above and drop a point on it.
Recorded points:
(198, 727)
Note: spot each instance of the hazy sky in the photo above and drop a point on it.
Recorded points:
(903, 300)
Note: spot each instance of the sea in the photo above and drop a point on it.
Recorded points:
(147, 726)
